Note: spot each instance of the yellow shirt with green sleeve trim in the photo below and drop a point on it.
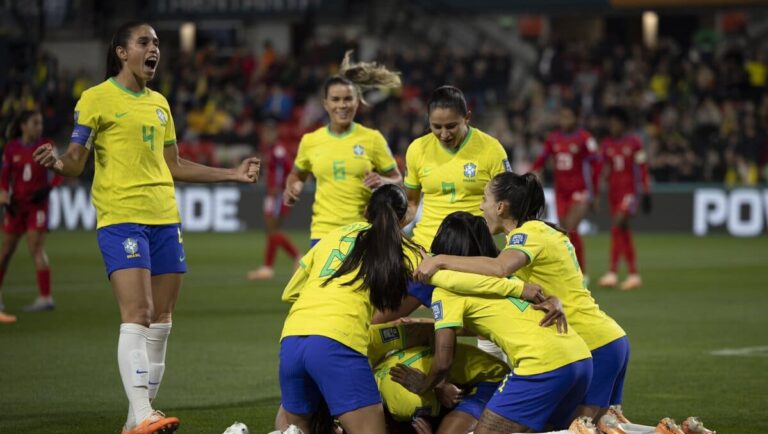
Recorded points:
(477, 284)
(554, 266)
(129, 130)
(337, 311)
(513, 325)
(451, 180)
(339, 163)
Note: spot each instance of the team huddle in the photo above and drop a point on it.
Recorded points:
(351, 357)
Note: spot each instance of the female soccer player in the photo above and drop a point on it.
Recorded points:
(627, 174)
(551, 369)
(575, 153)
(131, 130)
(324, 343)
(541, 253)
(347, 159)
(24, 189)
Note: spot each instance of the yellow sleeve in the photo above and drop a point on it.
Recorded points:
(385, 338)
(527, 243)
(302, 161)
(170, 131)
(88, 115)
(412, 166)
(293, 288)
(383, 161)
(447, 309)
(477, 284)
(499, 162)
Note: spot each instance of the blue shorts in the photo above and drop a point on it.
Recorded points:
(313, 241)
(548, 398)
(422, 292)
(474, 403)
(609, 364)
(157, 248)
(316, 368)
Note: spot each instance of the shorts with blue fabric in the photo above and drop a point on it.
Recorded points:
(474, 403)
(317, 368)
(313, 241)
(544, 399)
(158, 248)
(609, 364)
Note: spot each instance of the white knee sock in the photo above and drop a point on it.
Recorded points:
(134, 369)
(157, 342)
(491, 348)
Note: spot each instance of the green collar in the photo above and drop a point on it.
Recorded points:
(128, 91)
(342, 135)
(463, 142)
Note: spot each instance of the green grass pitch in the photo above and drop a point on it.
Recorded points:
(58, 371)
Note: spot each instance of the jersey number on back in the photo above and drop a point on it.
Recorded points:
(331, 266)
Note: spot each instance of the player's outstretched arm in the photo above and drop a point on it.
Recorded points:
(72, 163)
(506, 264)
(416, 381)
(374, 180)
(188, 171)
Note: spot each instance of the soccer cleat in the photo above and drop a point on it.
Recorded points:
(609, 280)
(263, 273)
(632, 281)
(237, 428)
(583, 425)
(7, 318)
(617, 412)
(156, 423)
(693, 425)
(668, 426)
(608, 424)
(41, 304)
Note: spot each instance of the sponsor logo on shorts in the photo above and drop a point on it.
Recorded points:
(437, 310)
(389, 334)
(131, 247)
(518, 240)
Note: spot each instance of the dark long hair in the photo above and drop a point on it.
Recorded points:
(449, 97)
(119, 39)
(464, 234)
(362, 76)
(14, 129)
(378, 251)
(523, 195)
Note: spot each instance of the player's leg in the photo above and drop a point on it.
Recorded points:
(365, 420)
(457, 422)
(36, 245)
(611, 279)
(609, 365)
(633, 280)
(492, 423)
(573, 215)
(464, 417)
(10, 241)
(266, 271)
(299, 394)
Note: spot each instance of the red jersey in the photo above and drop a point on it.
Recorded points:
(627, 165)
(575, 155)
(279, 165)
(20, 175)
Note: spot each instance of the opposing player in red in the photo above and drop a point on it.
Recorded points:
(24, 190)
(623, 156)
(279, 163)
(575, 153)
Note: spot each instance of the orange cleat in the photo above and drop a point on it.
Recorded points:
(668, 426)
(633, 281)
(156, 423)
(609, 280)
(617, 412)
(608, 424)
(7, 318)
(693, 425)
(583, 425)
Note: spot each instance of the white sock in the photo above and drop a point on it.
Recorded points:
(491, 348)
(157, 342)
(134, 369)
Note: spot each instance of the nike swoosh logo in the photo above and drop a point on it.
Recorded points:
(119, 115)
(427, 171)
(182, 258)
(141, 372)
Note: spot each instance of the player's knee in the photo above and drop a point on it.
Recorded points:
(137, 314)
(162, 317)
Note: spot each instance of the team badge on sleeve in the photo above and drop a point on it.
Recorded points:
(518, 240)
(437, 310)
(389, 334)
(162, 117)
(507, 166)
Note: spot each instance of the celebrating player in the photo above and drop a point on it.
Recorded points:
(347, 159)
(131, 131)
(324, 343)
(575, 153)
(541, 253)
(625, 158)
(24, 189)
(551, 368)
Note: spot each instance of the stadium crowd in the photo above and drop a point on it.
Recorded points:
(702, 112)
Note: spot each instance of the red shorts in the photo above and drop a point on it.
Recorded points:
(26, 217)
(625, 203)
(565, 200)
(274, 207)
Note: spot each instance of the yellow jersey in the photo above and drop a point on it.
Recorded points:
(513, 325)
(339, 164)
(470, 367)
(553, 265)
(451, 180)
(337, 311)
(128, 132)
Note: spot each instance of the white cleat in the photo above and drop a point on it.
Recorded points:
(237, 428)
(41, 304)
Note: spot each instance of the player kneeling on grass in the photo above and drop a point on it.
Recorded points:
(551, 368)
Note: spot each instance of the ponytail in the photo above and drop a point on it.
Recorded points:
(384, 268)
(119, 39)
(14, 129)
(523, 194)
(363, 76)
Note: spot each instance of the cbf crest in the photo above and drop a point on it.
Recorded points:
(358, 150)
(470, 170)
(161, 116)
(131, 247)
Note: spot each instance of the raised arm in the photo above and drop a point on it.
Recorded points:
(188, 171)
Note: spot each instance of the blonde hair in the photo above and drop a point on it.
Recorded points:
(363, 76)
